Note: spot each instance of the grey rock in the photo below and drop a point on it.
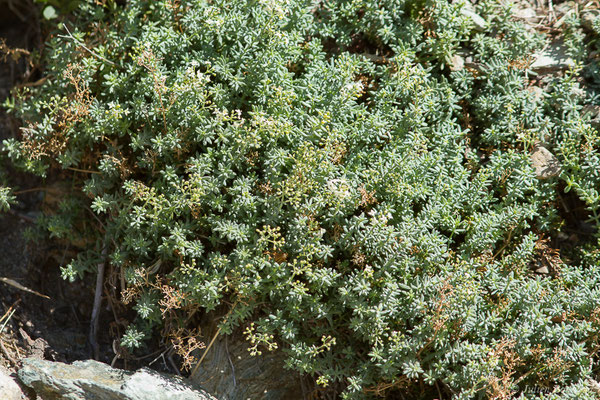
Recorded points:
(588, 16)
(457, 63)
(545, 163)
(525, 13)
(543, 270)
(564, 7)
(9, 388)
(552, 59)
(146, 384)
(560, 22)
(478, 21)
(93, 380)
(593, 112)
(229, 372)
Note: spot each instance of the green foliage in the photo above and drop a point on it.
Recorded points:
(6, 198)
(323, 170)
(63, 5)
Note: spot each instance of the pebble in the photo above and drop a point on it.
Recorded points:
(545, 163)
(457, 63)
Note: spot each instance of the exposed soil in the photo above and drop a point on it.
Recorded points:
(56, 327)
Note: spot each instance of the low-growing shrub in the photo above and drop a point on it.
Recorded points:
(330, 175)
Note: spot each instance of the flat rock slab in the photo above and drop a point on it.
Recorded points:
(479, 23)
(552, 59)
(93, 380)
(229, 372)
(9, 390)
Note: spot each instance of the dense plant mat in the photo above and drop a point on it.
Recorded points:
(356, 183)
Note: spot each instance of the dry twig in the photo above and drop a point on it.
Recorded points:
(80, 43)
(21, 287)
(7, 354)
(211, 342)
(97, 303)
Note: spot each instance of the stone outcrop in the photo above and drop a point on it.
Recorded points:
(553, 58)
(229, 372)
(9, 389)
(90, 380)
